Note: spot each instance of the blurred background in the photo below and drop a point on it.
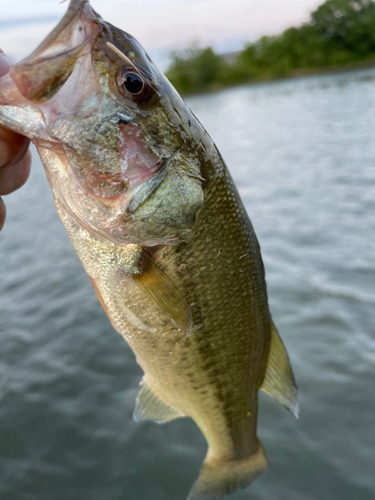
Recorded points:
(298, 135)
(159, 25)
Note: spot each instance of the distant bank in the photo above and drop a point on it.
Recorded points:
(340, 36)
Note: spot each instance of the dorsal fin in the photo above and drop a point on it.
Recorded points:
(150, 406)
(279, 381)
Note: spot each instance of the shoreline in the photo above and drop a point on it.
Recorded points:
(327, 70)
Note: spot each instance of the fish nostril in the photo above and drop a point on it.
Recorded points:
(124, 119)
(123, 122)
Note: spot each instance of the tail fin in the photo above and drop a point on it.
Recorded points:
(218, 478)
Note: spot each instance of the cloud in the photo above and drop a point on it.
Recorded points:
(209, 21)
(159, 25)
(19, 41)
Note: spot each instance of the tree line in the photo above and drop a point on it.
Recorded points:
(339, 33)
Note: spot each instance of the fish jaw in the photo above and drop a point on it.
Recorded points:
(124, 169)
(41, 75)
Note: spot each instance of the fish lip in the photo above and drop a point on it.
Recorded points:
(76, 9)
(40, 75)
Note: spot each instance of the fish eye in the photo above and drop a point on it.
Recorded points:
(133, 83)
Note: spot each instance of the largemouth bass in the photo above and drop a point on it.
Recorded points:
(160, 228)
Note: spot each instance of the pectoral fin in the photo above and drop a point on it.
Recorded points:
(158, 286)
(279, 381)
(150, 406)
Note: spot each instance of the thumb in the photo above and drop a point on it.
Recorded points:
(13, 147)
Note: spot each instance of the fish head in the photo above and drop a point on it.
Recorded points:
(122, 151)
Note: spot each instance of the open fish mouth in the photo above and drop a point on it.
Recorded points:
(104, 121)
(42, 74)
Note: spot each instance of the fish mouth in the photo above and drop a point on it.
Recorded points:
(42, 74)
(72, 31)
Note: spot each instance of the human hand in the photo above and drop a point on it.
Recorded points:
(15, 157)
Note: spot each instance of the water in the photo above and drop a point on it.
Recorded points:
(302, 153)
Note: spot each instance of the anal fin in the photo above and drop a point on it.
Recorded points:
(279, 381)
(150, 406)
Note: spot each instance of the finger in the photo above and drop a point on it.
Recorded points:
(13, 147)
(13, 177)
(3, 212)
(15, 160)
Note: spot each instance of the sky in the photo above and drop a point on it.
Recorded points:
(159, 25)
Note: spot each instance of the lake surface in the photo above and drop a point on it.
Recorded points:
(302, 153)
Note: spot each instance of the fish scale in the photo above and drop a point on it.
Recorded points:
(170, 251)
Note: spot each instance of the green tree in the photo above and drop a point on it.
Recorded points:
(195, 69)
(339, 32)
(347, 28)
